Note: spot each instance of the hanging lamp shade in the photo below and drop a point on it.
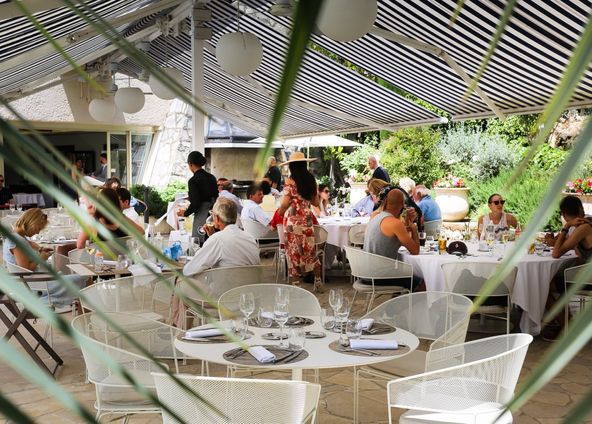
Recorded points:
(130, 99)
(347, 20)
(239, 53)
(102, 110)
(160, 90)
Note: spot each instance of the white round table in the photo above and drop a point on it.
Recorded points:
(338, 228)
(319, 353)
(530, 289)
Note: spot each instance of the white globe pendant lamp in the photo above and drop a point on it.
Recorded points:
(160, 90)
(102, 110)
(239, 53)
(130, 99)
(347, 20)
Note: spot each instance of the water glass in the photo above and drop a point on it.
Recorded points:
(247, 305)
(282, 295)
(539, 248)
(238, 327)
(296, 338)
(281, 315)
(354, 329)
(265, 318)
(335, 299)
(327, 318)
(430, 243)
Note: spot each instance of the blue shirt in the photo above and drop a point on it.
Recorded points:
(366, 205)
(429, 209)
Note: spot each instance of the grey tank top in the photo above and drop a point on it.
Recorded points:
(379, 244)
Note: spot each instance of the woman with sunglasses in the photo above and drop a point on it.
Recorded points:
(500, 220)
(324, 203)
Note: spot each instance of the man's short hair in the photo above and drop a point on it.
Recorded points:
(253, 189)
(422, 191)
(103, 155)
(225, 209)
(572, 206)
(265, 187)
(225, 184)
(124, 194)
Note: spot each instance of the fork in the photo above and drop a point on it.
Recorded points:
(365, 352)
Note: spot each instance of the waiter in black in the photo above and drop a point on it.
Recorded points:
(203, 191)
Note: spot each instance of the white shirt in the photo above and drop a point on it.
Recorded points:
(234, 198)
(131, 214)
(229, 247)
(254, 212)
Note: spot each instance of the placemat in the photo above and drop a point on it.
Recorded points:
(293, 322)
(376, 329)
(281, 354)
(215, 339)
(336, 347)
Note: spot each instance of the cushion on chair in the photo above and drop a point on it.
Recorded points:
(367, 288)
(466, 417)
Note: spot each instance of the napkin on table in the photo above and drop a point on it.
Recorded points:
(267, 315)
(261, 354)
(366, 323)
(209, 332)
(109, 262)
(373, 344)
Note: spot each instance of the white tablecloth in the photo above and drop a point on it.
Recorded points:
(29, 198)
(338, 229)
(532, 280)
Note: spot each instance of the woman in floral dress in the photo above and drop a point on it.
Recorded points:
(300, 192)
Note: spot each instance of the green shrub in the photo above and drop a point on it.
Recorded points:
(358, 159)
(516, 130)
(522, 198)
(156, 206)
(167, 194)
(412, 152)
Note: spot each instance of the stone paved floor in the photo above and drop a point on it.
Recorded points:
(547, 407)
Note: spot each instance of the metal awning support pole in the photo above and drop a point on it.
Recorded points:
(198, 41)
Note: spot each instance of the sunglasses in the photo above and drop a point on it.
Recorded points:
(326, 191)
(497, 202)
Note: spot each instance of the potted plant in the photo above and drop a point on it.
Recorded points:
(452, 197)
(583, 189)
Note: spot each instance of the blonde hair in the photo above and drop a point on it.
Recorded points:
(31, 220)
(375, 185)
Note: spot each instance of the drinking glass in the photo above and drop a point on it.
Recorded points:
(247, 307)
(335, 300)
(422, 238)
(238, 327)
(327, 318)
(209, 223)
(430, 242)
(282, 295)
(490, 240)
(265, 318)
(341, 316)
(539, 248)
(281, 315)
(354, 329)
(296, 338)
(442, 244)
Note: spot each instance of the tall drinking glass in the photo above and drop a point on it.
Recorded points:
(247, 307)
(282, 295)
(335, 300)
(341, 316)
(281, 315)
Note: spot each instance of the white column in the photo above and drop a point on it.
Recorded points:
(197, 89)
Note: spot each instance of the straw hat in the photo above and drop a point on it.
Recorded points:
(297, 157)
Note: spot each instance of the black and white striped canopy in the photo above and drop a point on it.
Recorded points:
(426, 59)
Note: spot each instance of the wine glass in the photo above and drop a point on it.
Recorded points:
(430, 243)
(209, 223)
(281, 315)
(490, 240)
(335, 300)
(341, 315)
(282, 295)
(247, 307)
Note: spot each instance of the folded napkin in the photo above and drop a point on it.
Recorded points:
(268, 315)
(109, 263)
(373, 344)
(209, 332)
(261, 354)
(366, 323)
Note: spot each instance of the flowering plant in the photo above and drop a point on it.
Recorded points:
(355, 177)
(579, 186)
(449, 182)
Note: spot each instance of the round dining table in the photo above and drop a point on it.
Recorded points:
(320, 355)
(532, 279)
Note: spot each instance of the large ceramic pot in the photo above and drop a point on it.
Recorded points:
(453, 202)
(586, 201)
(357, 192)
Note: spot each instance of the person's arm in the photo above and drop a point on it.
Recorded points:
(511, 220)
(137, 226)
(564, 243)
(479, 226)
(261, 216)
(206, 257)
(316, 200)
(81, 240)
(23, 260)
(408, 237)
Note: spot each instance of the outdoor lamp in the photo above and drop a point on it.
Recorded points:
(162, 91)
(239, 53)
(101, 110)
(130, 99)
(347, 20)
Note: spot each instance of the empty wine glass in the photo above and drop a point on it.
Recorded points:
(282, 295)
(341, 315)
(281, 315)
(247, 307)
(335, 300)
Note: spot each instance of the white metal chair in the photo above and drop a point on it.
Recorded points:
(368, 266)
(282, 261)
(472, 385)
(321, 241)
(581, 296)
(468, 278)
(432, 228)
(114, 394)
(438, 317)
(262, 233)
(79, 256)
(356, 235)
(237, 400)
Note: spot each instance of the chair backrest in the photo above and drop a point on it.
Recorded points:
(438, 316)
(61, 262)
(302, 302)
(372, 267)
(571, 274)
(320, 234)
(79, 256)
(16, 268)
(258, 230)
(356, 234)
(281, 234)
(239, 400)
(432, 228)
(468, 278)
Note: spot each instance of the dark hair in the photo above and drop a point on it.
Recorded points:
(492, 196)
(253, 189)
(196, 158)
(225, 184)
(322, 187)
(113, 180)
(306, 184)
(109, 195)
(571, 205)
(265, 187)
(124, 194)
(103, 155)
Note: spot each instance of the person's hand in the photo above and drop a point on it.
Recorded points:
(550, 239)
(575, 223)
(411, 215)
(181, 212)
(209, 229)
(45, 253)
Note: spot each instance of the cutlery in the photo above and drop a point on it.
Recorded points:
(365, 352)
(289, 357)
(238, 352)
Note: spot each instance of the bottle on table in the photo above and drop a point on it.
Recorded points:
(99, 259)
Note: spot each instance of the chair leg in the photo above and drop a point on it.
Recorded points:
(372, 297)
(356, 395)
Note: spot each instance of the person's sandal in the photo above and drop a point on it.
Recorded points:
(319, 286)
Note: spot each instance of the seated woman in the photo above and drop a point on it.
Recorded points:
(32, 222)
(375, 186)
(324, 204)
(500, 220)
(107, 195)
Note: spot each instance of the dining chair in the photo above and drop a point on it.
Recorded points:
(356, 235)
(115, 394)
(472, 385)
(79, 256)
(262, 233)
(282, 262)
(373, 268)
(581, 295)
(469, 277)
(439, 319)
(237, 400)
(321, 236)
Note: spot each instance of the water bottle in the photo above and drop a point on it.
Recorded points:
(182, 230)
(99, 261)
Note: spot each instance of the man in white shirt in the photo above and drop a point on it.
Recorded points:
(252, 206)
(125, 198)
(225, 188)
(230, 246)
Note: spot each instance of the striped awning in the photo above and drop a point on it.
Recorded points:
(414, 48)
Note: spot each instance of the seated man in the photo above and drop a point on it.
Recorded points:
(429, 207)
(225, 188)
(125, 199)
(364, 207)
(387, 232)
(230, 246)
(268, 189)
(252, 206)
